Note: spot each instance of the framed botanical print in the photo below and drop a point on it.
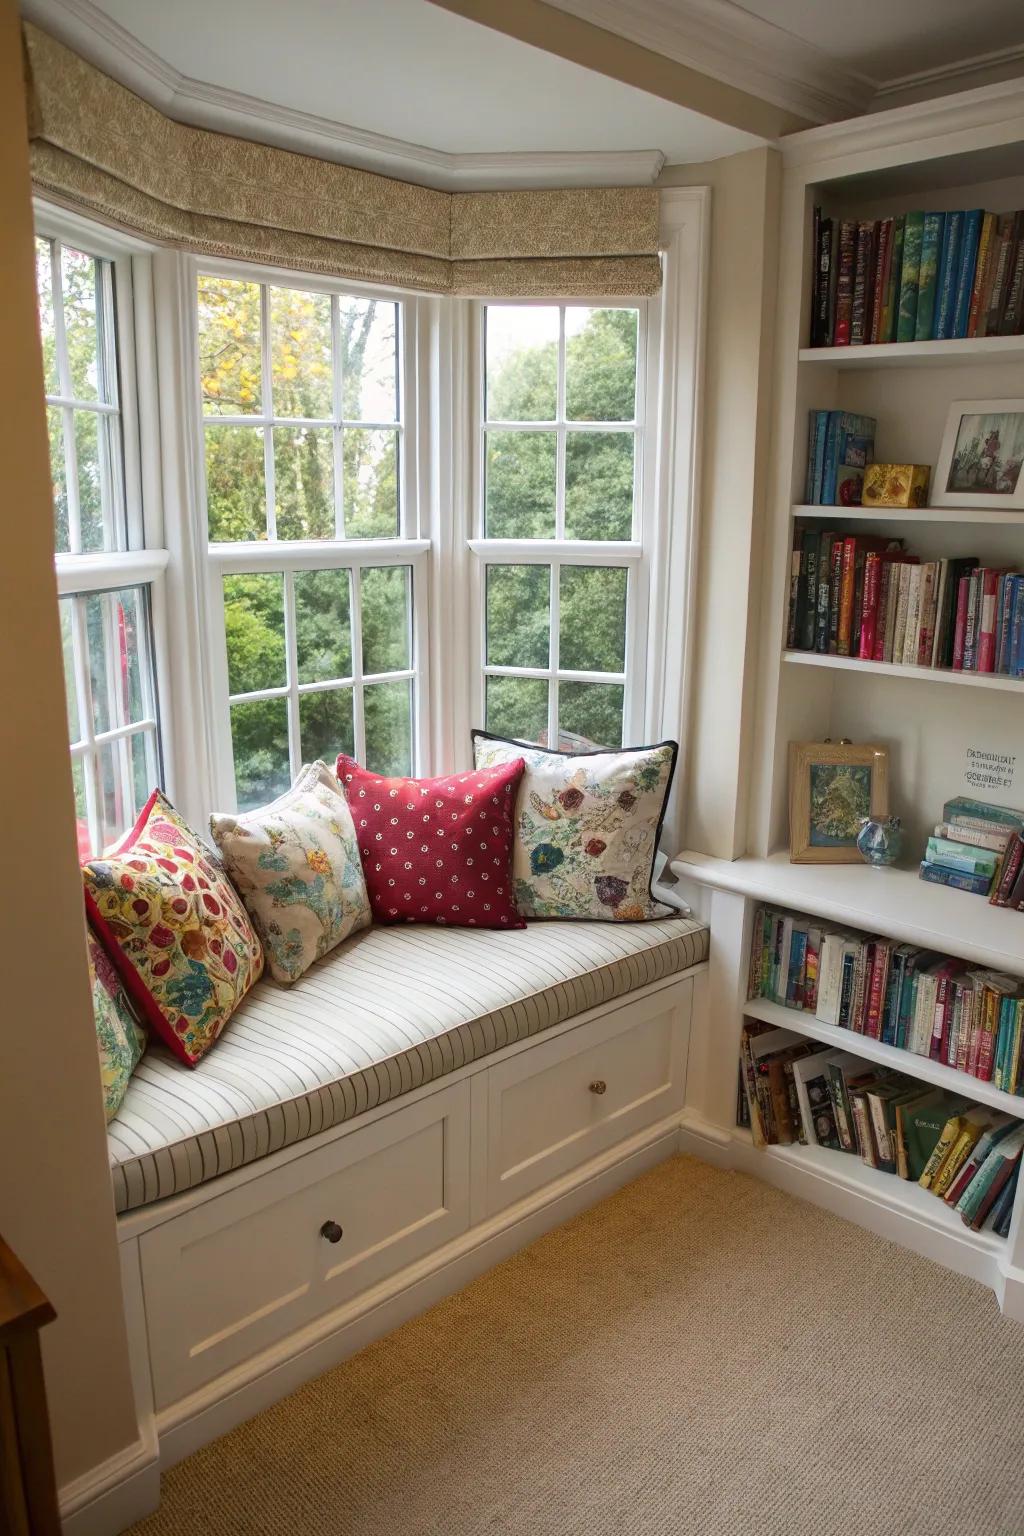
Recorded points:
(833, 786)
(981, 456)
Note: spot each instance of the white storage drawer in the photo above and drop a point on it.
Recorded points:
(563, 1101)
(240, 1272)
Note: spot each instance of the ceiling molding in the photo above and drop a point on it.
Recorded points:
(729, 43)
(978, 64)
(94, 35)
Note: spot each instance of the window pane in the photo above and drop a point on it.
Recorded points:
(145, 772)
(371, 483)
(254, 626)
(229, 346)
(300, 353)
(388, 713)
(117, 805)
(589, 714)
(47, 327)
(600, 364)
(116, 624)
(323, 626)
(598, 485)
(518, 615)
(55, 422)
(97, 512)
(592, 619)
(520, 485)
(518, 706)
(79, 274)
(304, 482)
(78, 771)
(522, 362)
(326, 725)
(369, 359)
(386, 599)
(70, 686)
(259, 738)
(236, 490)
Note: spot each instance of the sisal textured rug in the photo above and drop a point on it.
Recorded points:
(699, 1355)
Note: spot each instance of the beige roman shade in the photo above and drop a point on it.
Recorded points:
(99, 148)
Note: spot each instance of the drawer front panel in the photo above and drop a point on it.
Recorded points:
(239, 1273)
(554, 1106)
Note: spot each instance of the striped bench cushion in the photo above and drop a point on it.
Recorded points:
(390, 1009)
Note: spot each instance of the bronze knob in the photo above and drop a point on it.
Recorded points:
(599, 1086)
(332, 1232)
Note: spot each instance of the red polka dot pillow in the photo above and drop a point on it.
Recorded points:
(174, 928)
(437, 850)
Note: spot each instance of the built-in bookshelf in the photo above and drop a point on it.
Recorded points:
(965, 155)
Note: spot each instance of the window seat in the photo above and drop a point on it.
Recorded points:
(389, 1010)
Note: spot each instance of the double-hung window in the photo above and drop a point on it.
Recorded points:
(559, 495)
(108, 581)
(310, 498)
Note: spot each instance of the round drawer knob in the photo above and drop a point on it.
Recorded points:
(599, 1086)
(332, 1232)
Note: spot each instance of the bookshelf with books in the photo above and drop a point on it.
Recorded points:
(938, 719)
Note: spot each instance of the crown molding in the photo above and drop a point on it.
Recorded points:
(978, 64)
(94, 35)
(725, 41)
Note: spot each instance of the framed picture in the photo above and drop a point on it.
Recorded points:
(832, 786)
(981, 456)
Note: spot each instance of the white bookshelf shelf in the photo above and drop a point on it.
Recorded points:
(918, 354)
(899, 1196)
(979, 517)
(992, 680)
(893, 902)
(888, 1056)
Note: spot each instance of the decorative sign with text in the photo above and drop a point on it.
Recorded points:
(990, 770)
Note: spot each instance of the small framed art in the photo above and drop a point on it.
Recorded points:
(833, 785)
(981, 456)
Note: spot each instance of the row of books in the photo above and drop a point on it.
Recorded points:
(864, 595)
(978, 847)
(917, 277)
(839, 445)
(792, 1091)
(916, 1000)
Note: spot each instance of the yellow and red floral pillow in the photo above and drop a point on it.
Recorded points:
(174, 928)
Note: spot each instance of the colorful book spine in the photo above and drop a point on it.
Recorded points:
(945, 302)
(968, 256)
(931, 243)
(910, 276)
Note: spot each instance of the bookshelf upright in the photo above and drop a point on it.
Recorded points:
(967, 151)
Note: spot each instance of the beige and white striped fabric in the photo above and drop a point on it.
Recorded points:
(385, 1012)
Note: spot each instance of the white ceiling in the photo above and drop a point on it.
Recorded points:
(359, 75)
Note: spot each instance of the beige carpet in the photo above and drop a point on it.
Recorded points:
(698, 1354)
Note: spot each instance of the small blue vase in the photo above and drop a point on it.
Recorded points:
(880, 841)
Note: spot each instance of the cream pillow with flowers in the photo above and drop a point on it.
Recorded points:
(296, 865)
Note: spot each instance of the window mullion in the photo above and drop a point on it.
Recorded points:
(337, 436)
(553, 658)
(358, 709)
(560, 431)
(267, 398)
(292, 675)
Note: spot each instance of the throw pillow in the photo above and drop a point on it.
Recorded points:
(119, 1035)
(296, 866)
(587, 827)
(174, 928)
(437, 850)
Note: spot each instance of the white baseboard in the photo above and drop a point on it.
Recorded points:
(116, 1493)
(219, 1406)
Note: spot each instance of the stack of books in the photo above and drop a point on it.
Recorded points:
(793, 1091)
(866, 596)
(978, 847)
(839, 444)
(914, 999)
(917, 277)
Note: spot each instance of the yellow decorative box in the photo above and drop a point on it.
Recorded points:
(896, 485)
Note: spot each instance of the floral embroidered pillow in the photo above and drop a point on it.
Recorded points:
(587, 828)
(296, 865)
(174, 928)
(119, 1035)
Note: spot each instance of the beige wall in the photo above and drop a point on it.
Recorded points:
(735, 401)
(55, 1199)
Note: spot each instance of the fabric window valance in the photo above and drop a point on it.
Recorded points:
(104, 150)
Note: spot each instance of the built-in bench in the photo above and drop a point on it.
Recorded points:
(420, 1103)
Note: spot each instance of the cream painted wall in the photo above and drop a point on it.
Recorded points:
(56, 1208)
(737, 372)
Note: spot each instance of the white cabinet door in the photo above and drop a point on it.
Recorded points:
(238, 1273)
(566, 1100)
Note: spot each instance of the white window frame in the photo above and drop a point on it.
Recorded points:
(407, 548)
(628, 554)
(139, 560)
